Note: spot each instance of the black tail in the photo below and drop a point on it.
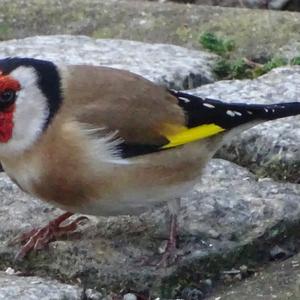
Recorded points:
(201, 111)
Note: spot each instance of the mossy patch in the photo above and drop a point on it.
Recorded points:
(230, 67)
(216, 44)
(295, 60)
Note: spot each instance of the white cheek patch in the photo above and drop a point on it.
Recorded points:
(30, 114)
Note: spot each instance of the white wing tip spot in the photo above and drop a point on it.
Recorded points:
(230, 113)
(186, 100)
(209, 105)
(174, 91)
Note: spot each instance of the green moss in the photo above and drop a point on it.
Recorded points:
(295, 61)
(222, 68)
(239, 69)
(216, 44)
(274, 63)
(229, 67)
(232, 69)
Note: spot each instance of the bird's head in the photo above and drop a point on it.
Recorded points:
(29, 98)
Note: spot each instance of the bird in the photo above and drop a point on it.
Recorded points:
(101, 141)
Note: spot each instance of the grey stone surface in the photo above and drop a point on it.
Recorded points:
(270, 149)
(169, 65)
(14, 287)
(273, 4)
(228, 210)
(280, 280)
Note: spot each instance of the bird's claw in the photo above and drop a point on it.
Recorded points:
(38, 239)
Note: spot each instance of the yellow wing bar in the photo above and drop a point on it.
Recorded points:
(180, 135)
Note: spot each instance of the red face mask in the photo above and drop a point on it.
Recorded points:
(8, 89)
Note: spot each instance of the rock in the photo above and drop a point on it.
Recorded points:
(277, 4)
(169, 65)
(226, 213)
(129, 296)
(192, 294)
(256, 33)
(277, 281)
(271, 149)
(279, 253)
(293, 5)
(14, 287)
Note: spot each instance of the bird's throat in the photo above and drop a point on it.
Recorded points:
(6, 124)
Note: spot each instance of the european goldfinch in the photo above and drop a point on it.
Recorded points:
(101, 141)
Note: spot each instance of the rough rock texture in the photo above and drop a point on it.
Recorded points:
(271, 149)
(230, 218)
(14, 287)
(256, 32)
(169, 65)
(281, 280)
(224, 215)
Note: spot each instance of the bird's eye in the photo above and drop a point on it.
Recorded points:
(7, 96)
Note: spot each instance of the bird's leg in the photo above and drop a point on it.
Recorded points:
(37, 239)
(170, 254)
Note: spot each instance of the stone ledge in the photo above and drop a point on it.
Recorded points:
(228, 218)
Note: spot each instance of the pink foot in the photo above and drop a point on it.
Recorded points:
(169, 257)
(38, 239)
